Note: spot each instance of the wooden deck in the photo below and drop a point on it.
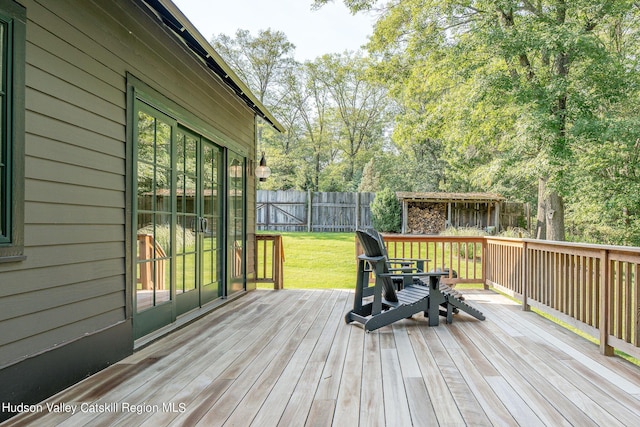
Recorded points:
(287, 358)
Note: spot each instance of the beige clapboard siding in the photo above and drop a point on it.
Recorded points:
(73, 73)
(37, 279)
(78, 59)
(43, 169)
(65, 295)
(43, 256)
(46, 128)
(64, 234)
(64, 41)
(52, 192)
(49, 213)
(65, 111)
(72, 154)
(56, 87)
(133, 43)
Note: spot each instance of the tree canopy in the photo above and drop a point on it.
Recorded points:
(533, 99)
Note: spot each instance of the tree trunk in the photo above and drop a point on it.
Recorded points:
(555, 216)
(541, 222)
(550, 217)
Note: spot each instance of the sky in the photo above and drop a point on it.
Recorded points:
(332, 29)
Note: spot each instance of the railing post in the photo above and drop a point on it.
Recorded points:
(278, 273)
(605, 295)
(485, 251)
(525, 278)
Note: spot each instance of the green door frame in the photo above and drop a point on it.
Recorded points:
(142, 97)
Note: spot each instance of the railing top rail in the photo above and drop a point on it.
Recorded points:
(582, 246)
(434, 238)
(538, 244)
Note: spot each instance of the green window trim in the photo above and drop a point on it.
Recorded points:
(12, 129)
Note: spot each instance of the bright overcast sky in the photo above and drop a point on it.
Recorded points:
(332, 29)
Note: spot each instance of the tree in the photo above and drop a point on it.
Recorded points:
(514, 80)
(360, 105)
(386, 212)
(333, 114)
(261, 61)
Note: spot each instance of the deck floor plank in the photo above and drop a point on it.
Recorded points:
(299, 404)
(287, 358)
(300, 368)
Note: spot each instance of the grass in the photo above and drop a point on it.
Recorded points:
(328, 261)
(318, 261)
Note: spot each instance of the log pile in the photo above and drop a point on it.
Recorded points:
(426, 218)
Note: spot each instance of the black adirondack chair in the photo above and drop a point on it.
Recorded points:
(390, 305)
(399, 265)
(413, 265)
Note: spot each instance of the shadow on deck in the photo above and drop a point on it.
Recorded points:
(287, 358)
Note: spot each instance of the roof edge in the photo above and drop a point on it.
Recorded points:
(176, 21)
(449, 196)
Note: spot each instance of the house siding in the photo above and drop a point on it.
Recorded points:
(73, 281)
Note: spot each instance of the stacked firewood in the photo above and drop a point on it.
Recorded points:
(426, 218)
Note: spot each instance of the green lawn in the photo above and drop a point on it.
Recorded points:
(318, 260)
(327, 260)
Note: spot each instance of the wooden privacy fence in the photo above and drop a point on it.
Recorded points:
(593, 288)
(312, 211)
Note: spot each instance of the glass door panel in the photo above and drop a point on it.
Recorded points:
(187, 224)
(236, 226)
(211, 214)
(185, 227)
(153, 221)
(154, 238)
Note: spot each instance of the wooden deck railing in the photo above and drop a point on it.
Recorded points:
(463, 256)
(593, 288)
(270, 253)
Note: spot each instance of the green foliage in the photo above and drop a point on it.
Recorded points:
(386, 213)
(477, 95)
(505, 93)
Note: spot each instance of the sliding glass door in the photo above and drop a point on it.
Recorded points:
(189, 236)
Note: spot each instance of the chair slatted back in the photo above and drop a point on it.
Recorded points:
(371, 247)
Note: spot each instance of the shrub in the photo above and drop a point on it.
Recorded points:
(386, 213)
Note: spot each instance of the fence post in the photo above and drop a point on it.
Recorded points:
(605, 294)
(309, 208)
(357, 196)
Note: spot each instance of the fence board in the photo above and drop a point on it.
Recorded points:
(318, 211)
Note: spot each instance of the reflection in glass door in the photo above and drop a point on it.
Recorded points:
(211, 222)
(197, 236)
(236, 224)
(186, 198)
(187, 223)
(153, 222)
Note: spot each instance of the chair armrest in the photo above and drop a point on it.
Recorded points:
(371, 259)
